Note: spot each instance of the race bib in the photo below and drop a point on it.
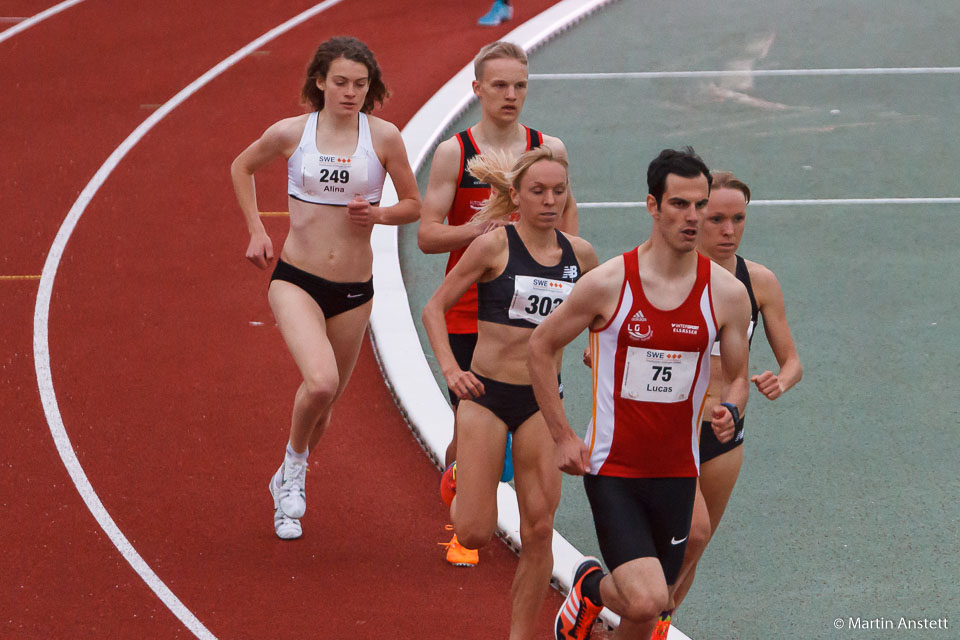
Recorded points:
(333, 179)
(534, 298)
(651, 375)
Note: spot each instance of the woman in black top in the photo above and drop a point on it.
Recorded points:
(516, 291)
(721, 231)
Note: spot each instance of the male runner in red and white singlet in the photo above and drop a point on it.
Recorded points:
(653, 314)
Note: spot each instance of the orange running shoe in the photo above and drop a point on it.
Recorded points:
(448, 483)
(458, 555)
(663, 627)
(577, 615)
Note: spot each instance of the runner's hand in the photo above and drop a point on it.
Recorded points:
(464, 384)
(587, 357)
(573, 457)
(361, 212)
(490, 225)
(722, 422)
(768, 384)
(260, 250)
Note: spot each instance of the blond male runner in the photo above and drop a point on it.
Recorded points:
(653, 315)
(500, 69)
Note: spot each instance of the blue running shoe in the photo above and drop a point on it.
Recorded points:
(507, 474)
(499, 12)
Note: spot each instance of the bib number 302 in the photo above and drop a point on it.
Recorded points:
(535, 298)
(542, 305)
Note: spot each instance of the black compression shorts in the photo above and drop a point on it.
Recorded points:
(511, 403)
(333, 298)
(462, 345)
(642, 518)
(710, 447)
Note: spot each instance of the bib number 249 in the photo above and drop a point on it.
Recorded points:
(334, 175)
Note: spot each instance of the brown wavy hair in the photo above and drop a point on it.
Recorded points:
(352, 49)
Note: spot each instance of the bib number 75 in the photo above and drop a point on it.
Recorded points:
(662, 373)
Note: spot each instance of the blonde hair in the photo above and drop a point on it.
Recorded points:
(494, 168)
(495, 51)
(726, 180)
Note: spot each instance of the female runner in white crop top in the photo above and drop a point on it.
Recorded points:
(321, 289)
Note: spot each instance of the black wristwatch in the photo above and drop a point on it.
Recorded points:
(734, 411)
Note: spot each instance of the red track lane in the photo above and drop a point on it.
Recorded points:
(22, 9)
(177, 406)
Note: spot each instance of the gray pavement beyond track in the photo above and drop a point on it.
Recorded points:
(846, 507)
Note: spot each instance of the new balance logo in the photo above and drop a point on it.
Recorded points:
(570, 272)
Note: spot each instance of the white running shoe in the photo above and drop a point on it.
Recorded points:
(292, 498)
(287, 528)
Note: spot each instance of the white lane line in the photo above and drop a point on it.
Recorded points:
(842, 201)
(41, 348)
(40, 17)
(789, 203)
(758, 73)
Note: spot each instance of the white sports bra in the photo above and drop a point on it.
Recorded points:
(322, 178)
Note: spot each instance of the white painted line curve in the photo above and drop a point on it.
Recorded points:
(392, 328)
(41, 348)
(20, 27)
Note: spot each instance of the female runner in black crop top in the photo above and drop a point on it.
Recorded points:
(719, 238)
(516, 291)
(321, 290)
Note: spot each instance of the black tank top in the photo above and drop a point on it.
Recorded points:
(743, 275)
(526, 292)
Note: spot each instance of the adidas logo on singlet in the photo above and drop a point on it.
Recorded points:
(638, 328)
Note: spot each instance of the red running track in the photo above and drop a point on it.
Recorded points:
(177, 406)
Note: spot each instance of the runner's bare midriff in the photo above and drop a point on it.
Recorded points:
(323, 241)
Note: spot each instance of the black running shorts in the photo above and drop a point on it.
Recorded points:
(333, 298)
(710, 447)
(642, 518)
(462, 345)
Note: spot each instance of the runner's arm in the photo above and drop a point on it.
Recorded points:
(471, 267)
(564, 324)
(734, 318)
(433, 236)
(773, 310)
(274, 143)
(397, 165)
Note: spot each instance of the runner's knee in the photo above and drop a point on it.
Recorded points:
(474, 535)
(645, 604)
(320, 387)
(537, 531)
(699, 537)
